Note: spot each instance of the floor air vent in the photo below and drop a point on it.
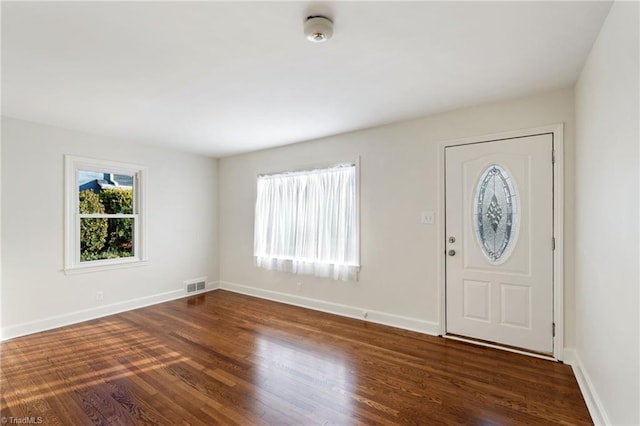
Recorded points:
(196, 285)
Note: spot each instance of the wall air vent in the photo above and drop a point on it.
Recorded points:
(196, 285)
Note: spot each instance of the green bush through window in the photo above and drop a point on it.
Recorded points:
(106, 237)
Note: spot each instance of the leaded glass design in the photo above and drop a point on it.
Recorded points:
(495, 213)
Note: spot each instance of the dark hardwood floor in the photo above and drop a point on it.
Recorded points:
(224, 358)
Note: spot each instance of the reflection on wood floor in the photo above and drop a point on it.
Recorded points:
(224, 358)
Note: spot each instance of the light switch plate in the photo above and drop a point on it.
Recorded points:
(428, 218)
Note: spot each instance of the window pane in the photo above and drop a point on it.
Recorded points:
(102, 238)
(105, 192)
(103, 215)
(496, 212)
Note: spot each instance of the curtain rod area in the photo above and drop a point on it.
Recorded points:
(307, 171)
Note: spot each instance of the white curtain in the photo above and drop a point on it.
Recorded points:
(306, 223)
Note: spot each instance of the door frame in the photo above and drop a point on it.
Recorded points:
(557, 132)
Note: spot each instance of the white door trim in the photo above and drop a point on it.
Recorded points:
(558, 222)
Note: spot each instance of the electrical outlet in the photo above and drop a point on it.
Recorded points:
(99, 296)
(428, 218)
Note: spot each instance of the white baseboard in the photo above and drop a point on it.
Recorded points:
(57, 321)
(591, 398)
(407, 323)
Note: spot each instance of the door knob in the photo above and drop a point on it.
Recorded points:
(452, 252)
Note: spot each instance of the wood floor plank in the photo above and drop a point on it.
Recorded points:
(225, 358)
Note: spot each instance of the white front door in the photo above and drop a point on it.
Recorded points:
(499, 231)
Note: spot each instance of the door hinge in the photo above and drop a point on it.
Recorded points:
(553, 329)
(553, 243)
(553, 156)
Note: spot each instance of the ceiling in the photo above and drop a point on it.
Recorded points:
(220, 78)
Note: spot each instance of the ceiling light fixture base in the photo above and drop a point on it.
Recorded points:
(318, 29)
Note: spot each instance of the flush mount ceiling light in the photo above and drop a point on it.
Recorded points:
(318, 29)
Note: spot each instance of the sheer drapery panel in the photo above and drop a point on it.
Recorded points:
(306, 222)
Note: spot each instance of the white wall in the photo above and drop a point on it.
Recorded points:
(399, 174)
(607, 217)
(182, 228)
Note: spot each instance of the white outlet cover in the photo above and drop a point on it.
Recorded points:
(428, 217)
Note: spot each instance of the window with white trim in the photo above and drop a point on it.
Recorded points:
(105, 206)
(307, 222)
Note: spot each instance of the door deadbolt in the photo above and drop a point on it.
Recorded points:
(452, 240)
(452, 252)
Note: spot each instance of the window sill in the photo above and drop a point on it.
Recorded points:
(107, 266)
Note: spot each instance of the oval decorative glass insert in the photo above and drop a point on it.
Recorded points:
(495, 213)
